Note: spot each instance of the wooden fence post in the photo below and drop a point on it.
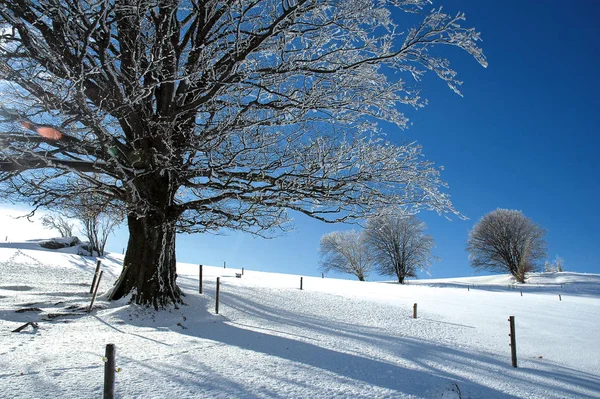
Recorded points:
(301, 283)
(109, 372)
(224, 265)
(513, 341)
(200, 280)
(95, 276)
(322, 275)
(217, 295)
(559, 297)
(242, 271)
(95, 291)
(521, 292)
(415, 311)
(468, 288)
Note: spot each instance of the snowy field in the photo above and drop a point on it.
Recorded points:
(333, 339)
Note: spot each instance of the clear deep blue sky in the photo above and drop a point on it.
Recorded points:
(524, 136)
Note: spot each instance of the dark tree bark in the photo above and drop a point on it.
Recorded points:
(149, 267)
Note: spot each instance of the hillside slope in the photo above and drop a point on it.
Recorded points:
(335, 338)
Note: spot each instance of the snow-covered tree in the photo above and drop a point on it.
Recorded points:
(346, 252)
(97, 216)
(557, 265)
(506, 241)
(204, 115)
(57, 222)
(399, 243)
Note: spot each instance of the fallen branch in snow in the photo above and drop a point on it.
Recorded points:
(24, 326)
(52, 316)
(28, 310)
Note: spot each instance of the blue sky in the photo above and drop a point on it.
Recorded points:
(524, 136)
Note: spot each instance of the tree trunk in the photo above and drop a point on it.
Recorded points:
(400, 273)
(149, 267)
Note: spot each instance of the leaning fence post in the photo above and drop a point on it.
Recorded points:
(301, 283)
(95, 291)
(217, 295)
(200, 280)
(415, 311)
(109, 372)
(95, 276)
(513, 341)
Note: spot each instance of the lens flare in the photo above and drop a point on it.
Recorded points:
(45, 131)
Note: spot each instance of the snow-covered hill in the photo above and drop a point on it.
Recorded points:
(333, 339)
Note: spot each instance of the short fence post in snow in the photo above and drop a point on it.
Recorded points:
(415, 311)
(468, 288)
(217, 296)
(521, 292)
(224, 265)
(95, 276)
(559, 297)
(301, 283)
(322, 275)
(95, 291)
(109, 372)
(513, 341)
(200, 280)
(242, 271)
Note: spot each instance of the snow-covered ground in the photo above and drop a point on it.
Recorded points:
(333, 339)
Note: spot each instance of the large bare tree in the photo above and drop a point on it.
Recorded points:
(203, 115)
(506, 241)
(399, 243)
(346, 252)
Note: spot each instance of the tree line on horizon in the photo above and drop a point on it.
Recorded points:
(395, 244)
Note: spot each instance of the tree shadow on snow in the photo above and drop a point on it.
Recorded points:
(370, 356)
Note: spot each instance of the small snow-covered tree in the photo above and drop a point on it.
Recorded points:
(555, 266)
(57, 222)
(346, 252)
(399, 243)
(506, 241)
(218, 114)
(98, 219)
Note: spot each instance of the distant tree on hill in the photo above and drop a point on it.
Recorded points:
(399, 244)
(57, 222)
(555, 266)
(506, 241)
(346, 252)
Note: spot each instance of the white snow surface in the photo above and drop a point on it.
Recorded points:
(333, 339)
